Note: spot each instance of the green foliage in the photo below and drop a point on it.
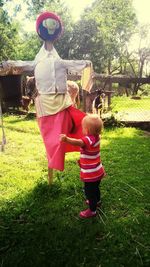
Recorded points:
(108, 26)
(63, 44)
(36, 6)
(28, 46)
(101, 35)
(84, 39)
(40, 225)
(2, 2)
(8, 36)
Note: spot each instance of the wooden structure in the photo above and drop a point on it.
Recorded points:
(106, 82)
(12, 86)
(11, 91)
(121, 79)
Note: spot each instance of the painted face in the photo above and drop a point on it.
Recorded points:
(51, 25)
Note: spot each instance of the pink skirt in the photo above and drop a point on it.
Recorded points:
(66, 122)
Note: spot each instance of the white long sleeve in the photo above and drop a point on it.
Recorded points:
(76, 65)
(25, 65)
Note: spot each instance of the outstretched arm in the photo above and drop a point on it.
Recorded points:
(19, 65)
(72, 141)
(76, 65)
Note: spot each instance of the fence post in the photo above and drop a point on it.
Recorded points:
(109, 94)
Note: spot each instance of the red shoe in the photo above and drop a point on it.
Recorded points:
(98, 203)
(87, 213)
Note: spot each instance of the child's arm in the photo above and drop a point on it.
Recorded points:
(72, 141)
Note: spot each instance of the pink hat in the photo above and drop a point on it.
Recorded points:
(48, 26)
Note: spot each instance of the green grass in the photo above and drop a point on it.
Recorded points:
(39, 225)
(121, 103)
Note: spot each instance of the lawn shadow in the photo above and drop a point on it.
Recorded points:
(41, 228)
(31, 116)
(26, 128)
(16, 129)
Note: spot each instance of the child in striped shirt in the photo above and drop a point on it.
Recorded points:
(91, 168)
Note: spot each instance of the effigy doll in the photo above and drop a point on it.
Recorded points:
(54, 110)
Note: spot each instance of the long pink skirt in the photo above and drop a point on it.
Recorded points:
(66, 122)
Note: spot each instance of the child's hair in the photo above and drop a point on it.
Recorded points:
(93, 123)
(73, 90)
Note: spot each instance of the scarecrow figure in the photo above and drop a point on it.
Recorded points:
(54, 110)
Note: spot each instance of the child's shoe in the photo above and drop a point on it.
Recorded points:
(98, 203)
(87, 213)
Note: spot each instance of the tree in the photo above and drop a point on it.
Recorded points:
(138, 58)
(63, 43)
(28, 46)
(109, 25)
(58, 7)
(8, 35)
(36, 6)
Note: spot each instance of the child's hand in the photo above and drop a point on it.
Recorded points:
(63, 137)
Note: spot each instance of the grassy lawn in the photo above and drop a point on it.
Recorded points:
(122, 103)
(39, 225)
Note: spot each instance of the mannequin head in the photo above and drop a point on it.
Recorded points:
(48, 26)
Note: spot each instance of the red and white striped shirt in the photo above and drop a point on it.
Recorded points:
(90, 162)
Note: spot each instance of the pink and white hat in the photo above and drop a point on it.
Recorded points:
(49, 26)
